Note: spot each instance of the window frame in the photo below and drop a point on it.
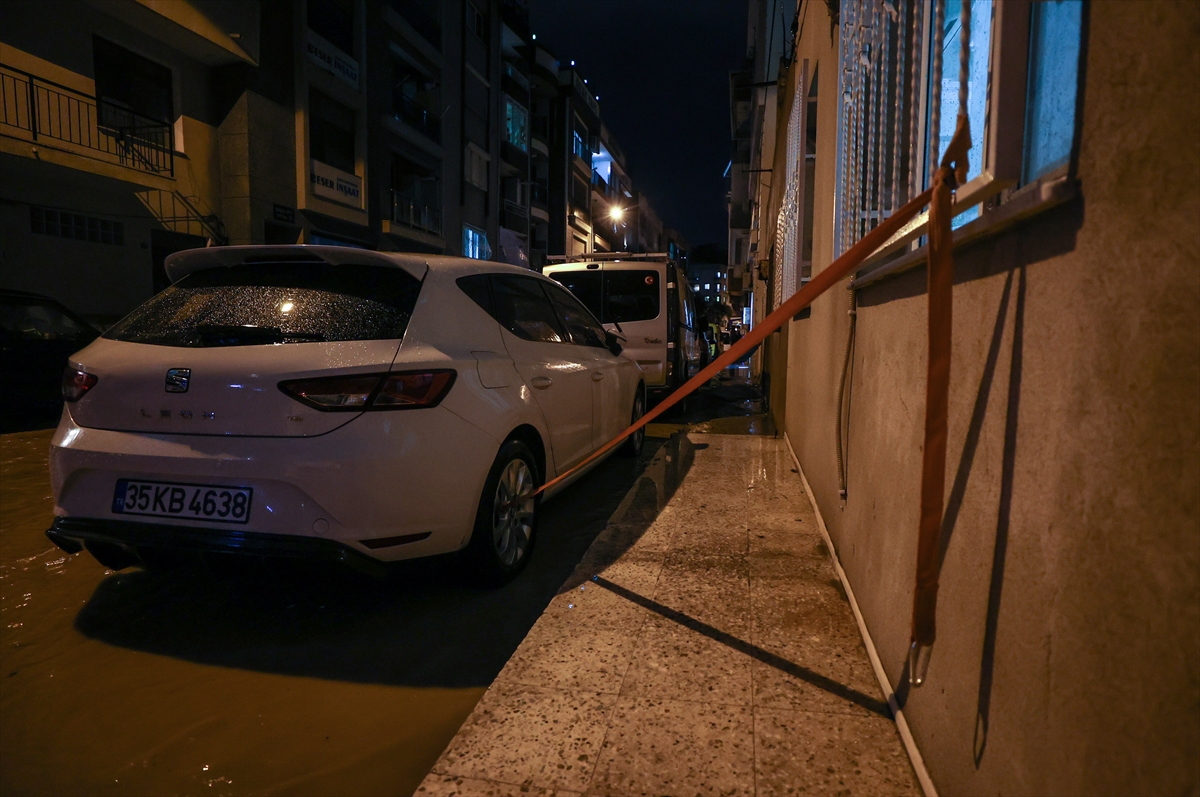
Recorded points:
(997, 190)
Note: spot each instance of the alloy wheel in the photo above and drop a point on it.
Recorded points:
(512, 516)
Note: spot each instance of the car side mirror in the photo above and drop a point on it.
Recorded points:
(612, 341)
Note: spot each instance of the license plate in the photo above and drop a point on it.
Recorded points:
(190, 501)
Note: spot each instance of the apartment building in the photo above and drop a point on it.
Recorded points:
(130, 130)
(1066, 652)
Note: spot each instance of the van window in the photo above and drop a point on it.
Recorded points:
(619, 296)
(630, 295)
(586, 285)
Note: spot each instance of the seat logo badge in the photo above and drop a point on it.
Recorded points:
(177, 379)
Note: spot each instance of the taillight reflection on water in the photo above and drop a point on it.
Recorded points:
(75, 383)
(398, 391)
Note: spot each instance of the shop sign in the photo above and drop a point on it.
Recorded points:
(330, 58)
(336, 184)
(285, 214)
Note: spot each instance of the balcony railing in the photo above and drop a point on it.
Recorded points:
(415, 214)
(421, 21)
(413, 113)
(41, 110)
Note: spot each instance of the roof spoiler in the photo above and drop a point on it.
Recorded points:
(180, 264)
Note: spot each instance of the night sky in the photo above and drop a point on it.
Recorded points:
(661, 69)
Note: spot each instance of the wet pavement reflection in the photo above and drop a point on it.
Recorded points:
(249, 678)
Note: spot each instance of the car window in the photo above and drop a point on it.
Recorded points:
(579, 321)
(24, 320)
(521, 307)
(275, 303)
(631, 295)
(477, 287)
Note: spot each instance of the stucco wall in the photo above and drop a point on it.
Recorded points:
(1068, 654)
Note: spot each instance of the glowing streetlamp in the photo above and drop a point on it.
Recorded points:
(616, 212)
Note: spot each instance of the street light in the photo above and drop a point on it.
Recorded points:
(616, 212)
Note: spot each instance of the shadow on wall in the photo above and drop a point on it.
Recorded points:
(1004, 508)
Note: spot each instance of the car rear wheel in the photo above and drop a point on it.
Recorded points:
(506, 522)
(633, 444)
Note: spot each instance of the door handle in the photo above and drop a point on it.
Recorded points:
(542, 382)
(597, 376)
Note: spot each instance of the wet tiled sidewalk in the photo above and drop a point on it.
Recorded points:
(703, 647)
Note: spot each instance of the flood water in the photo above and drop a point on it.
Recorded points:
(258, 679)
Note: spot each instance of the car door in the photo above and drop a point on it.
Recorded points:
(557, 372)
(609, 410)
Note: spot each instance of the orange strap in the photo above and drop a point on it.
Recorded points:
(822, 282)
(937, 386)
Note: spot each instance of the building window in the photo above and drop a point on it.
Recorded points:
(416, 196)
(475, 167)
(46, 221)
(891, 95)
(128, 84)
(477, 22)
(1055, 32)
(580, 198)
(330, 132)
(475, 243)
(415, 97)
(579, 146)
(333, 21)
(516, 124)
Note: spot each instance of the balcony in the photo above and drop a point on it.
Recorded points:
(421, 21)
(40, 110)
(540, 127)
(416, 115)
(415, 214)
(513, 215)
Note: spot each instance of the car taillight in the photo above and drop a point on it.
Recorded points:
(75, 383)
(392, 391)
(413, 389)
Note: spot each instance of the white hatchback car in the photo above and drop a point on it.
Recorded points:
(332, 402)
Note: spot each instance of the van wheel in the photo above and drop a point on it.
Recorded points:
(633, 444)
(505, 523)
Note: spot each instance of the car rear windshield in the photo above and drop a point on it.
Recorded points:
(275, 303)
(619, 296)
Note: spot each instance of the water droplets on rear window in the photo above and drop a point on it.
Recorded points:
(276, 303)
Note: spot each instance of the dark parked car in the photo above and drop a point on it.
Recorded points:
(37, 335)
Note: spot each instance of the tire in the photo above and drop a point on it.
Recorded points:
(503, 539)
(633, 444)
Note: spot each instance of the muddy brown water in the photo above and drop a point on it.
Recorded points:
(256, 678)
(249, 679)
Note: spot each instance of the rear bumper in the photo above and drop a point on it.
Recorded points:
(136, 539)
(390, 486)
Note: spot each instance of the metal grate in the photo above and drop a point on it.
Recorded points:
(882, 111)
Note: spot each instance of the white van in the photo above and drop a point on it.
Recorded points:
(647, 300)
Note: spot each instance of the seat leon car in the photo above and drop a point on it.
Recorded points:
(332, 402)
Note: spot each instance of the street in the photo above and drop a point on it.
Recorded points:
(253, 678)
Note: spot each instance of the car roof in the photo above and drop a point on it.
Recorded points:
(180, 264)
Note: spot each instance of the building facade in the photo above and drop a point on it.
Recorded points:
(131, 130)
(1066, 657)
